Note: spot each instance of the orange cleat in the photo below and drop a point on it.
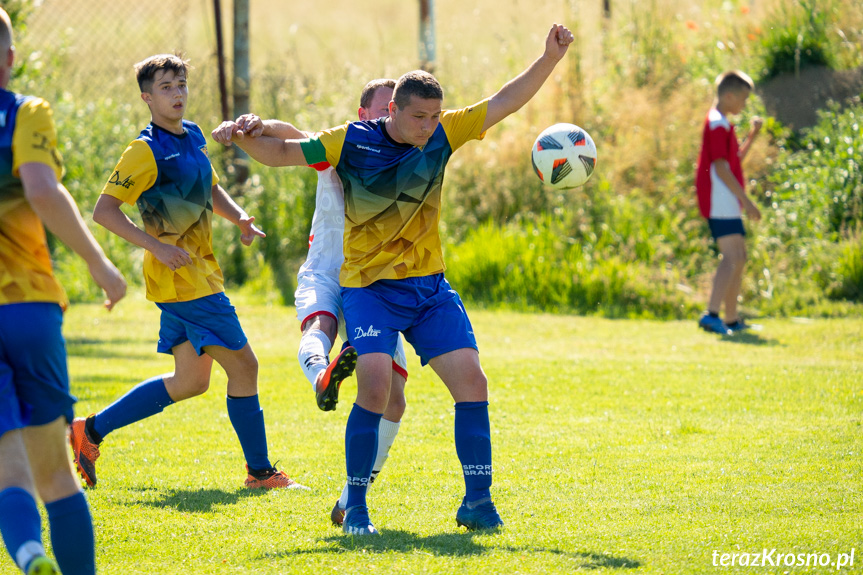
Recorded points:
(85, 449)
(337, 515)
(270, 478)
(340, 369)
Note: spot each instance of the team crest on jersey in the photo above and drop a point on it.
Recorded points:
(204, 149)
(115, 179)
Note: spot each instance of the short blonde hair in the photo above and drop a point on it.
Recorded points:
(733, 81)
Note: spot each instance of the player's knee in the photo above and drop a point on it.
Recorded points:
(56, 481)
(191, 387)
(397, 404)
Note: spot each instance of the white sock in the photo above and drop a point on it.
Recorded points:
(387, 431)
(27, 552)
(314, 354)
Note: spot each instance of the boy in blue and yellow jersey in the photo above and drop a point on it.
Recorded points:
(392, 277)
(35, 403)
(167, 173)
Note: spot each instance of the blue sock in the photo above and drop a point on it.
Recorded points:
(247, 417)
(145, 399)
(361, 447)
(20, 525)
(72, 535)
(473, 446)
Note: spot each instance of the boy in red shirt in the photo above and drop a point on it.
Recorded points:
(721, 195)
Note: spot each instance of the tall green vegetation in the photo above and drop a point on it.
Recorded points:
(628, 244)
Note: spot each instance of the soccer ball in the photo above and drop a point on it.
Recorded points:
(564, 156)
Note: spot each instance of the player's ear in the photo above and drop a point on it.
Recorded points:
(147, 97)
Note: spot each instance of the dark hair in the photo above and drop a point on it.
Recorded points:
(733, 81)
(418, 83)
(371, 88)
(146, 69)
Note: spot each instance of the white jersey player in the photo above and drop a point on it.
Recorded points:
(318, 297)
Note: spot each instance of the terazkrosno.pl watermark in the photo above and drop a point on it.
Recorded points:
(774, 558)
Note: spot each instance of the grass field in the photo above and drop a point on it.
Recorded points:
(619, 446)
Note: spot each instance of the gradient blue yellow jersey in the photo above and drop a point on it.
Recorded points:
(170, 178)
(392, 194)
(27, 134)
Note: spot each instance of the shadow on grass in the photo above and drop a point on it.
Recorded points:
(454, 544)
(107, 348)
(750, 338)
(198, 500)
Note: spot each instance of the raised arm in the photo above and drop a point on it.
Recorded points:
(750, 137)
(55, 207)
(518, 91)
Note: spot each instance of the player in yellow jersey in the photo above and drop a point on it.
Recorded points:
(166, 172)
(35, 403)
(392, 277)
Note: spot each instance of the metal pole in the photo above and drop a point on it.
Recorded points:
(241, 80)
(220, 55)
(427, 36)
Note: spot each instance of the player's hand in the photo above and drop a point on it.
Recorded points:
(109, 278)
(227, 133)
(558, 41)
(756, 122)
(172, 256)
(752, 211)
(251, 125)
(249, 231)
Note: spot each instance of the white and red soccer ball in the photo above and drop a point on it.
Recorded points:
(564, 156)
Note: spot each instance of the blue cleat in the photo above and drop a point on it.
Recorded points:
(357, 522)
(741, 325)
(480, 514)
(713, 325)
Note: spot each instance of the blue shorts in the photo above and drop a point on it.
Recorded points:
(209, 320)
(425, 309)
(34, 381)
(722, 227)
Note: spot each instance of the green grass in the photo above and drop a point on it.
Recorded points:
(619, 446)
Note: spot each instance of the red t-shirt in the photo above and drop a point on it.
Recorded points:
(715, 199)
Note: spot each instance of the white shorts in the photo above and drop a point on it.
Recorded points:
(320, 294)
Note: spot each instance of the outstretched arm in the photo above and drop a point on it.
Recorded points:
(55, 207)
(268, 150)
(518, 91)
(252, 125)
(225, 206)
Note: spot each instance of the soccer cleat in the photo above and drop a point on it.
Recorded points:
(337, 515)
(85, 449)
(340, 369)
(480, 514)
(713, 325)
(42, 566)
(270, 478)
(739, 326)
(357, 522)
